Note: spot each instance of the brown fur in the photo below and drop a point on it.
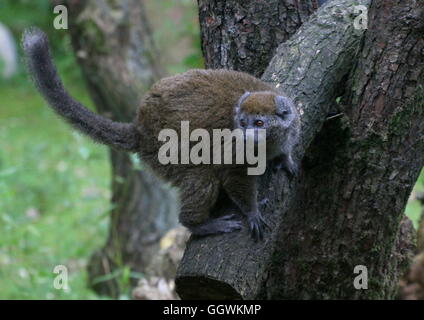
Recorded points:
(259, 103)
(206, 98)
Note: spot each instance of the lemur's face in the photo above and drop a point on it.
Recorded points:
(263, 110)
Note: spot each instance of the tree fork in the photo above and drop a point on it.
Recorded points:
(309, 68)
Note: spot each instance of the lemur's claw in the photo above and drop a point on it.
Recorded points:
(256, 226)
(291, 170)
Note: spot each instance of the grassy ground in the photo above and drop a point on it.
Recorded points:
(54, 196)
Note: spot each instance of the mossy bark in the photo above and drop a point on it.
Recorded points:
(357, 170)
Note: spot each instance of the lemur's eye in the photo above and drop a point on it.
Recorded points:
(259, 123)
(242, 123)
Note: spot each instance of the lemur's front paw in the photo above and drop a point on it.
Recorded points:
(282, 163)
(256, 226)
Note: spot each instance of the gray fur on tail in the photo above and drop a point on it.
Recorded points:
(122, 136)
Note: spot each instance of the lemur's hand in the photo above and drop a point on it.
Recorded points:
(285, 163)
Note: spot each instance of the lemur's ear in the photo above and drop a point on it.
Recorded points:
(240, 101)
(285, 109)
(284, 106)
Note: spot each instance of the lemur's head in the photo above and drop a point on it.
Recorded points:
(264, 110)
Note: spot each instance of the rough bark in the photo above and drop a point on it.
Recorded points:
(345, 207)
(371, 158)
(248, 31)
(113, 44)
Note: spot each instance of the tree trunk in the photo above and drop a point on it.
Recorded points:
(113, 44)
(344, 208)
(243, 35)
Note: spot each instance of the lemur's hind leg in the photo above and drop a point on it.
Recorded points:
(199, 192)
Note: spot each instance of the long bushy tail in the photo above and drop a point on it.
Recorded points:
(123, 136)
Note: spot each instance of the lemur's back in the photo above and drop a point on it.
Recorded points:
(205, 98)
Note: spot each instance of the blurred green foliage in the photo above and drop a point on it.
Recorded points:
(54, 183)
(54, 194)
(176, 33)
(414, 209)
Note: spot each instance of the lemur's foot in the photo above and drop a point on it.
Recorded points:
(256, 226)
(224, 224)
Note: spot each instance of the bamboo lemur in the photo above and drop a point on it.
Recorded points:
(208, 99)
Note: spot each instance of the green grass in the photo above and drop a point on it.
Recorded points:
(54, 184)
(414, 208)
(54, 195)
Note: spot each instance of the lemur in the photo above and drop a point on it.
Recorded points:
(208, 99)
